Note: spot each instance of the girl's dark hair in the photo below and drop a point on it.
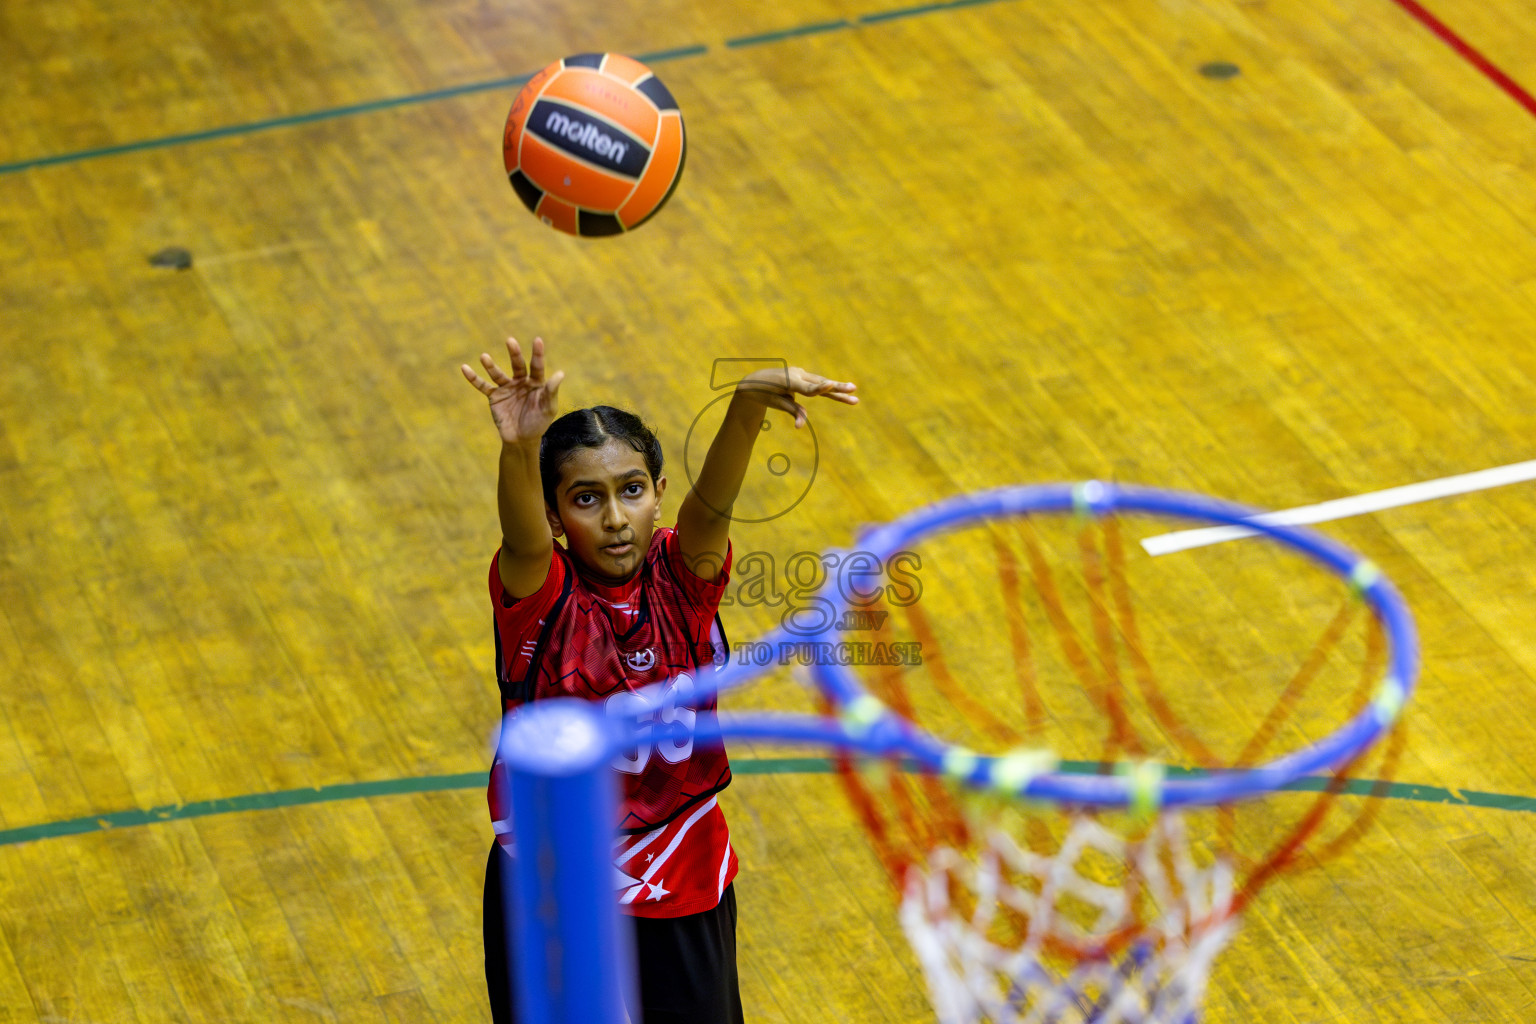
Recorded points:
(593, 428)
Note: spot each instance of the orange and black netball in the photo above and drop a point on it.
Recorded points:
(594, 144)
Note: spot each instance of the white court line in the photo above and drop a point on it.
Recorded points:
(1342, 508)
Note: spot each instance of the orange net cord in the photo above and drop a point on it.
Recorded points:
(1296, 689)
(944, 823)
(1122, 737)
(1024, 672)
(1141, 668)
(975, 711)
(1372, 807)
(1018, 637)
(1261, 870)
(918, 812)
(1289, 850)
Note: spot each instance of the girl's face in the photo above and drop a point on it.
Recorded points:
(607, 509)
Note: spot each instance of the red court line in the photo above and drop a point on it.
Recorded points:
(1477, 60)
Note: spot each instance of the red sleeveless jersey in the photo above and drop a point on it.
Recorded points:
(578, 638)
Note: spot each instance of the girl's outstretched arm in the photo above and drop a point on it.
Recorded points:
(704, 520)
(523, 406)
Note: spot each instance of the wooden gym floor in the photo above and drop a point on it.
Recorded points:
(246, 509)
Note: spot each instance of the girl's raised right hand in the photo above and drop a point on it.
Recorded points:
(522, 405)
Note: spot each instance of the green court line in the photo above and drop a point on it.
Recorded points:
(788, 33)
(660, 55)
(328, 114)
(743, 766)
(236, 804)
(391, 102)
(261, 126)
(908, 12)
(903, 12)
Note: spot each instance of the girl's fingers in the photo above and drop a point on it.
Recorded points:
(532, 371)
(801, 382)
(483, 387)
(815, 384)
(841, 390)
(492, 370)
(552, 386)
(536, 362)
(516, 353)
(784, 403)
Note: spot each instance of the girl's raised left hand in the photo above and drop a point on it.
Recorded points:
(777, 389)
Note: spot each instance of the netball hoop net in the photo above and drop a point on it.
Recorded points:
(1105, 893)
(1058, 776)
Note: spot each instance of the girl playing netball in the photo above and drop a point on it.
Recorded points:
(621, 605)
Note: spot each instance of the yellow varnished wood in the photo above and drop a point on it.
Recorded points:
(246, 510)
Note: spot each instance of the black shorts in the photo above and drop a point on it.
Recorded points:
(687, 965)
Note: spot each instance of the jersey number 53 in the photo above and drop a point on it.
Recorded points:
(643, 709)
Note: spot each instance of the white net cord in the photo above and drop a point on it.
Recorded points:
(1178, 922)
